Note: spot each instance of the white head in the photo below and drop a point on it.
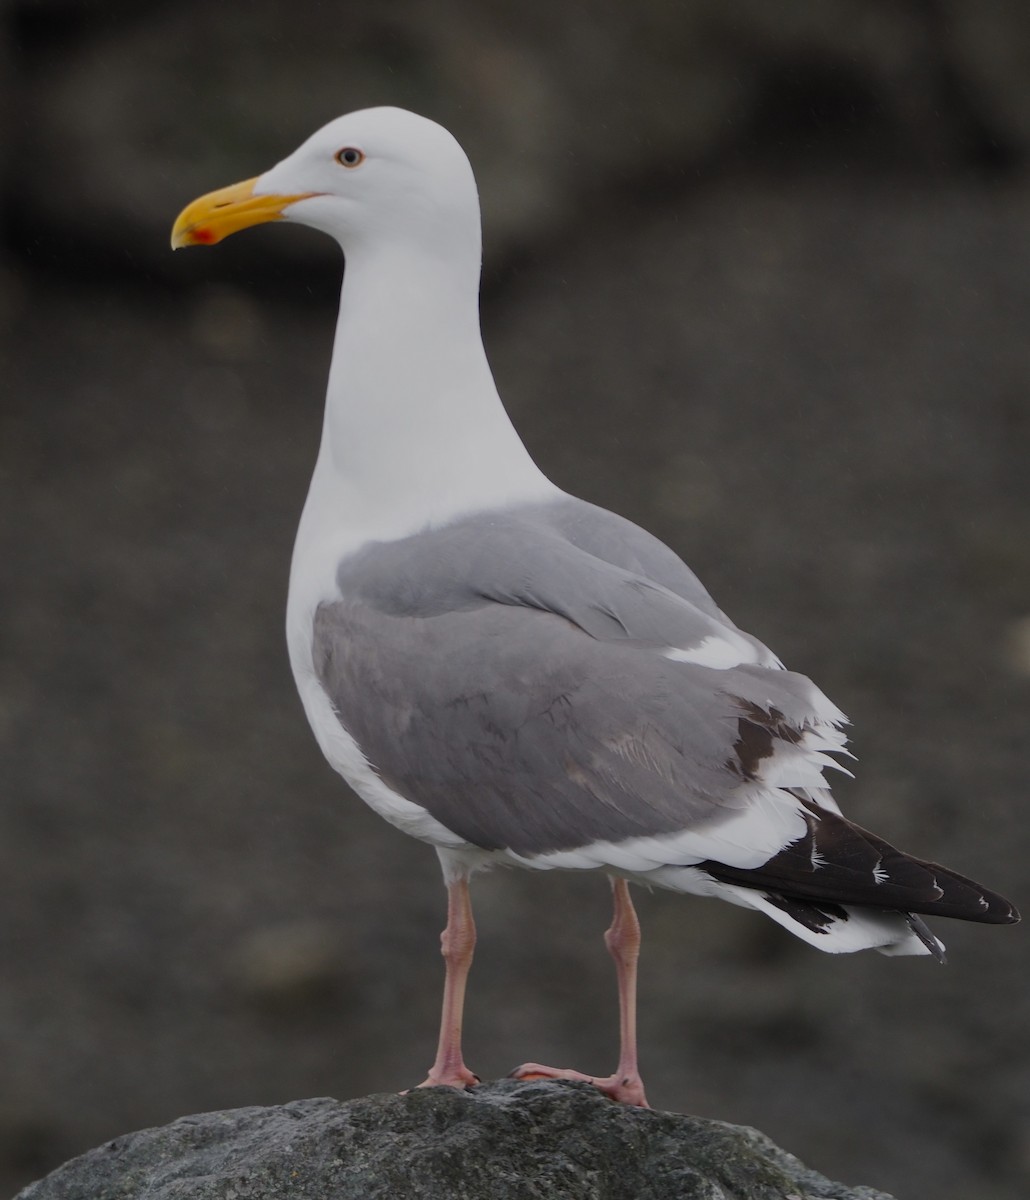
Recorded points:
(414, 431)
(380, 175)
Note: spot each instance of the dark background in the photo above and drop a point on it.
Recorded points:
(757, 276)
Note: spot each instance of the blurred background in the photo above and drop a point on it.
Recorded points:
(757, 276)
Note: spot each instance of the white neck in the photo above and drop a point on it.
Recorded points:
(414, 430)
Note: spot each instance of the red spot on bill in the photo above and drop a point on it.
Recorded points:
(203, 234)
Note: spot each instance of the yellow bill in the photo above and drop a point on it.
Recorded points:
(214, 216)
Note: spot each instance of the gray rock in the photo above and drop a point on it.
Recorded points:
(500, 1140)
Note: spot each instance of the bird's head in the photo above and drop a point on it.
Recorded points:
(381, 173)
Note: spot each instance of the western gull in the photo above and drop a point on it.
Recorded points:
(517, 676)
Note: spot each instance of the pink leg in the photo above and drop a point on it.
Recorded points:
(457, 942)
(623, 942)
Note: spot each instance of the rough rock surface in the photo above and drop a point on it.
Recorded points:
(500, 1140)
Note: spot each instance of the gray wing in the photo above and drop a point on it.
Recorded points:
(515, 686)
(618, 541)
(604, 574)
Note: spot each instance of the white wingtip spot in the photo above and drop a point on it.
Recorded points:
(721, 651)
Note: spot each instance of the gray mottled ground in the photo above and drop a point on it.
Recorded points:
(501, 1141)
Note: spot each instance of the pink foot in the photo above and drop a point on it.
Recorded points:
(456, 1077)
(627, 1089)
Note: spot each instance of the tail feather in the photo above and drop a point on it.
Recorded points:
(832, 928)
(921, 930)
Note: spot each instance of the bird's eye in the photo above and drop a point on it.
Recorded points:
(350, 156)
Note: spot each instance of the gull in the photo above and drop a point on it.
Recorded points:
(512, 674)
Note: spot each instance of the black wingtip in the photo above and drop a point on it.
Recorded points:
(972, 901)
